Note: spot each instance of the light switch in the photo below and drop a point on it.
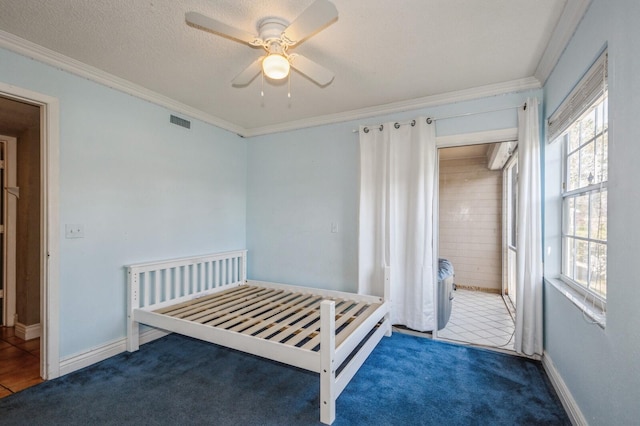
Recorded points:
(74, 231)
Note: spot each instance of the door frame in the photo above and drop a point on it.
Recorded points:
(507, 226)
(475, 138)
(49, 223)
(9, 232)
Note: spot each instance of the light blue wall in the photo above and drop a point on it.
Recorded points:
(600, 366)
(144, 189)
(300, 182)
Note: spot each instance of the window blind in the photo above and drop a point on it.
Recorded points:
(587, 91)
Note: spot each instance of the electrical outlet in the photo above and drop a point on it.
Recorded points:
(74, 231)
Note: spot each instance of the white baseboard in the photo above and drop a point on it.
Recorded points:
(569, 404)
(27, 332)
(100, 353)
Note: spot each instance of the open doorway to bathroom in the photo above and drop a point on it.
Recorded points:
(476, 241)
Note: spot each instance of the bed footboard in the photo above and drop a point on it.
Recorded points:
(332, 385)
(157, 284)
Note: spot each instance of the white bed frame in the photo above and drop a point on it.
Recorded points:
(157, 285)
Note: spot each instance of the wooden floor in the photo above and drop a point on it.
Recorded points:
(19, 362)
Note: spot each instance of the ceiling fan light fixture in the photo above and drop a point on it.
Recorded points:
(275, 66)
(277, 37)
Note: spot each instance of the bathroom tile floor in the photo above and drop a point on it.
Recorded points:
(479, 318)
(19, 362)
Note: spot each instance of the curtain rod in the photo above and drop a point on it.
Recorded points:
(447, 117)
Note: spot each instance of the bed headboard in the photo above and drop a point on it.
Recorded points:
(157, 282)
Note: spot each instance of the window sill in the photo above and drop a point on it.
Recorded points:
(593, 314)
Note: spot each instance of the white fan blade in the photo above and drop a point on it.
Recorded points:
(204, 22)
(320, 14)
(315, 72)
(249, 73)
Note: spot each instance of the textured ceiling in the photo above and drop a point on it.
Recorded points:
(381, 51)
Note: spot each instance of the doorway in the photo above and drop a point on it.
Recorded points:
(471, 200)
(20, 230)
(33, 119)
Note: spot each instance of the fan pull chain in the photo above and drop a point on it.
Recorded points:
(262, 88)
(289, 87)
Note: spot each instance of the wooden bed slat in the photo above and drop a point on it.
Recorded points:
(281, 327)
(240, 309)
(258, 314)
(355, 323)
(343, 316)
(299, 326)
(271, 314)
(210, 304)
(237, 301)
(300, 330)
(232, 301)
(312, 328)
(304, 304)
(289, 321)
(276, 315)
(233, 292)
(314, 335)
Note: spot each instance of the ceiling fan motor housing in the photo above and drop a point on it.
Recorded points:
(271, 29)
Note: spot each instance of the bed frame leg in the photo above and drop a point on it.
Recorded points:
(327, 360)
(133, 331)
(133, 328)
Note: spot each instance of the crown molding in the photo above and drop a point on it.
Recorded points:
(512, 86)
(65, 63)
(567, 24)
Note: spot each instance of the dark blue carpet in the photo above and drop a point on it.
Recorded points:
(406, 381)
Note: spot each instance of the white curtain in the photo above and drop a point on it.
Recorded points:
(528, 335)
(397, 178)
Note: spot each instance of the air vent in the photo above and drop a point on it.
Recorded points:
(180, 122)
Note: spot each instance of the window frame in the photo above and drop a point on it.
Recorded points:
(566, 194)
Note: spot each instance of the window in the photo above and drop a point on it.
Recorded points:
(584, 201)
(584, 134)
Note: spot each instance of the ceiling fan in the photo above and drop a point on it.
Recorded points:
(277, 37)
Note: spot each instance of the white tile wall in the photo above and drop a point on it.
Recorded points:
(470, 220)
